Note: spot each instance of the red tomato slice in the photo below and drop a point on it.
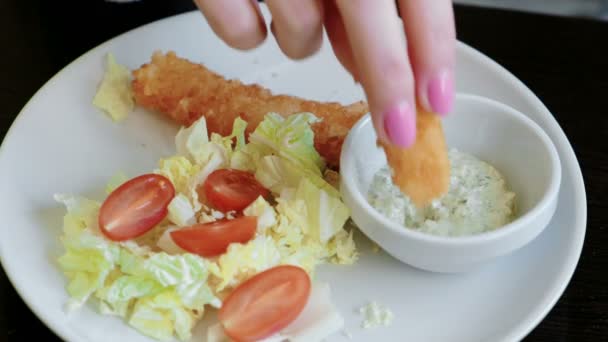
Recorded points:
(229, 189)
(213, 238)
(266, 303)
(135, 207)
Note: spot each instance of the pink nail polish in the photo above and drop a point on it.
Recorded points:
(400, 125)
(440, 93)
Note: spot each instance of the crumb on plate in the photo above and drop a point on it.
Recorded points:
(375, 315)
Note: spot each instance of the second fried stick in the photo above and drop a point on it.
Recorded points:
(422, 172)
(185, 91)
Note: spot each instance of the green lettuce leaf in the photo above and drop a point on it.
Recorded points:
(181, 211)
(159, 294)
(114, 95)
(88, 258)
(119, 295)
(161, 316)
(291, 138)
(206, 154)
(320, 215)
(277, 173)
(236, 138)
(265, 213)
(247, 158)
(190, 140)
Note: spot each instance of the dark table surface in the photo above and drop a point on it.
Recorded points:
(563, 60)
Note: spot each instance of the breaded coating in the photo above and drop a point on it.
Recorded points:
(186, 91)
(422, 172)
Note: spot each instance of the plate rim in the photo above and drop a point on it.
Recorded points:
(571, 163)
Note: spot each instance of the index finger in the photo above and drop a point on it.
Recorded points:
(376, 36)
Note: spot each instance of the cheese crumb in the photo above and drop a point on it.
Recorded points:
(375, 315)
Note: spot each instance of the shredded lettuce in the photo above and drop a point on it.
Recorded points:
(164, 293)
(162, 315)
(114, 95)
(181, 211)
(277, 173)
(179, 170)
(236, 138)
(342, 248)
(264, 212)
(320, 214)
(190, 140)
(194, 142)
(245, 158)
(244, 260)
(291, 138)
(157, 293)
(204, 154)
(183, 174)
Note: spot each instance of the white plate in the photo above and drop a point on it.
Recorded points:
(61, 143)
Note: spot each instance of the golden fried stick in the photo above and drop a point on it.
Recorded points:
(421, 171)
(186, 91)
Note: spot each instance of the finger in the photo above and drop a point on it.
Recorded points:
(237, 22)
(334, 25)
(431, 34)
(297, 26)
(375, 34)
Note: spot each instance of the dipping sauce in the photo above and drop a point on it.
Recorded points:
(477, 201)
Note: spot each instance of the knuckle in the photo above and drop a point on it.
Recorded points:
(307, 23)
(397, 69)
(242, 34)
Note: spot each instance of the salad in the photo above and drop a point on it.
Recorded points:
(226, 223)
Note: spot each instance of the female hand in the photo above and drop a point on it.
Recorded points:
(368, 38)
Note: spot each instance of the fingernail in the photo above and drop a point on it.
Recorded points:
(400, 125)
(440, 93)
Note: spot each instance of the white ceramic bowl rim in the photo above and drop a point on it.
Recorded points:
(518, 223)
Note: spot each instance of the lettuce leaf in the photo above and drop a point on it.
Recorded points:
(320, 214)
(277, 173)
(206, 154)
(115, 95)
(244, 260)
(181, 211)
(291, 138)
(236, 138)
(194, 143)
(179, 170)
(159, 294)
(246, 158)
(265, 213)
(190, 140)
(161, 316)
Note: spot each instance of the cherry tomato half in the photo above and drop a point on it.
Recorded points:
(266, 303)
(213, 238)
(135, 207)
(230, 189)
